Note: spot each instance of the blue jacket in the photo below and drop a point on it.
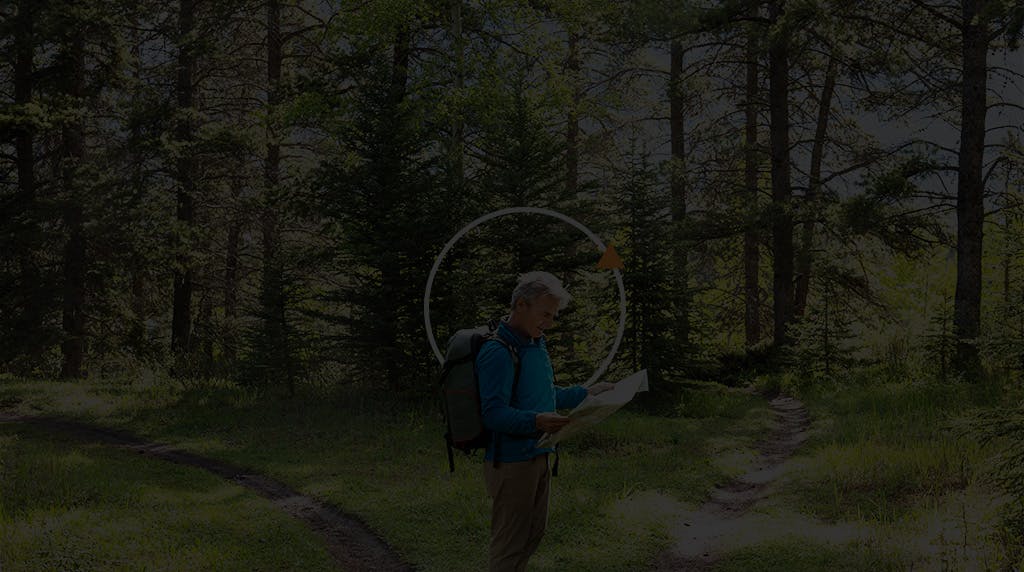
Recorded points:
(512, 418)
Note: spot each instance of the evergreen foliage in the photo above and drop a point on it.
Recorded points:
(824, 340)
(258, 190)
(649, 338)
(940, 343)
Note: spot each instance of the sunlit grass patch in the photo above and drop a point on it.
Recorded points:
(114, 399)
(958, 531)
(878, 482)
(878, 452)
(72, 505)
(797, 555)
(702, 399)
(887, 456)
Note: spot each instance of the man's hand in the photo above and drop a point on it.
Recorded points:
(551, 422)
(600, 388)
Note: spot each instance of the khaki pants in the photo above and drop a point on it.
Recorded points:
(519, 511)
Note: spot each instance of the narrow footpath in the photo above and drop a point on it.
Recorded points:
(725, 519)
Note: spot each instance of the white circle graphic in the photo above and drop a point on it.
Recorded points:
(527, 210)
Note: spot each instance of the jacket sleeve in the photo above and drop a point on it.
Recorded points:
(495, 373)
(569, 397)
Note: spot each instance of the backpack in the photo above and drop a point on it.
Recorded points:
(460, 389)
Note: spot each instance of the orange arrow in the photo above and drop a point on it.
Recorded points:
(610, 259)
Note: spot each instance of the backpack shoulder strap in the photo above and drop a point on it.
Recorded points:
(513, 353)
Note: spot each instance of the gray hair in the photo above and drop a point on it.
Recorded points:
(536, 284)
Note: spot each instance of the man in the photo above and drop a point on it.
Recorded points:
(516, 471)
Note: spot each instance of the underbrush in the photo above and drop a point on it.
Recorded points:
(891, 454)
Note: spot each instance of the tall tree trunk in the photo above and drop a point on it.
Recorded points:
(23, 69)
(272, 159)
(572, 126)
(782, 218)
(137, 328)
(204, 331)
(572, 158)
(137, 336)
(677, 183)
(74, 261)
(273, 297)
(751, 236)
(231, 278)
(458, 123)
(1009, 251)
(181, 320)
(391, 271)
(812, 199)
(970, 209)
(825, 334)
(30, 321)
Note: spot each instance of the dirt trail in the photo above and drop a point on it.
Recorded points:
(352, 544)
(726, 518)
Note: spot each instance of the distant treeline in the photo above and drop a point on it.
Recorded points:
(257, 190)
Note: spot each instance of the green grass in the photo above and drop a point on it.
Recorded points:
(386, 463)
(879, 454)
(890, 456)
(799, 556)
(69, 505)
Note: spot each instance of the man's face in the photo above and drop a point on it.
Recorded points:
(538, 315)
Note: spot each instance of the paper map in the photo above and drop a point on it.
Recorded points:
(597, 407)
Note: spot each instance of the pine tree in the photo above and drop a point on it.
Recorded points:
(371, 200)
(959, 37)
(823, 336)
(26, 286)
(940, 342)
(649, 341)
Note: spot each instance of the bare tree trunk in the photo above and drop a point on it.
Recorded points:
(73, 153)
(828, 348)
(231, 279)
(751, 236)
(1008, 250)
(204, 330)
(572, 128)
(272, 160)
(181, 320)
(782, 218)
(137, 336)
(811, 200)
(137, 330)
(273, 295)
(30, 321)
(23, 70)
(458, 123)
(678, 191)
(391, 271)
(572, 157)
(971, 188)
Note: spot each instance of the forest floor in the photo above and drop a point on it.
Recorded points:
(851, 478)
(353, 546)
